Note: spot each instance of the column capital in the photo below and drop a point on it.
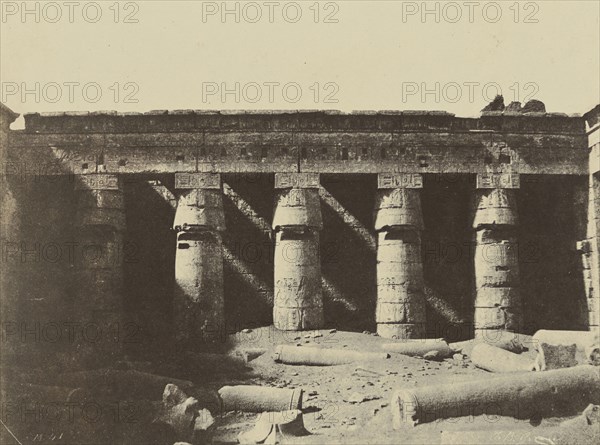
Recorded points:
(97, 181)
(399, 180)
(501, 180)
(297, 180)
(186, 181)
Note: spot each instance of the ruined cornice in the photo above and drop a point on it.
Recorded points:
(163, 121)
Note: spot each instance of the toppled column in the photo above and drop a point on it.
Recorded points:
(256, 399)
(100, 221)
(199, 220)
(521, 395)
(497, 298)
(419, 348)
(298, 301)
(509, 341)
(312, 356)
(398, 220)
(587, 343)
(494, 359)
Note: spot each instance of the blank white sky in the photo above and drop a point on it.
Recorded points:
(371, 55)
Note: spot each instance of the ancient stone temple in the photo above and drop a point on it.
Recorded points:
(190, 225)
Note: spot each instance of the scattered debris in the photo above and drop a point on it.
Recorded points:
(574, 431)
(249, 354)
(433, 355)
(362, 372)
(458, 358)
(357, 397)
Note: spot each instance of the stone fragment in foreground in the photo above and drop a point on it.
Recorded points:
(273, 426)
(183, 414)
(520, 395)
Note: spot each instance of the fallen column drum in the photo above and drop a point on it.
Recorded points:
(520, 395)
(494, 359)
(311, 356)
(257, 399)
(418, 348)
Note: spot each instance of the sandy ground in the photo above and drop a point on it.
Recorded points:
(332, 419)
(329, 414)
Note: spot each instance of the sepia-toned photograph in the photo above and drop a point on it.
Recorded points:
(301, 222)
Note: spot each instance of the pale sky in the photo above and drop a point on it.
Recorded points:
(370, 55)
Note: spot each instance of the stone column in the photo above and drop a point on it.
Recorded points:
(298, 300)
(100, 224)
(592, 274)
(9, 234)
(398, 220)
(496, 268)
(198, 307)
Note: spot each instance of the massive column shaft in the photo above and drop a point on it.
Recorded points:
(398, 219)
(591, 255)
(9, 230)
(100, 221)
(497, 298)
(198, 310)
(298, 301)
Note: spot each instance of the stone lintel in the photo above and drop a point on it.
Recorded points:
(399, 180)
(97, 181)
(498, 180)
(197, 181)
(297, 180)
